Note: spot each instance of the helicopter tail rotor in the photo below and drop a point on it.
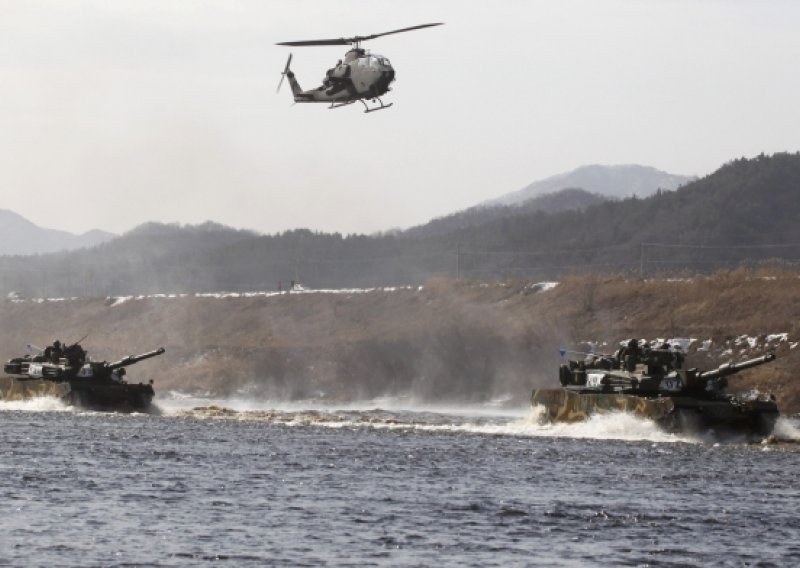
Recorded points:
(285, 72)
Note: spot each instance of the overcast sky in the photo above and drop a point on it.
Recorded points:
(114, 113)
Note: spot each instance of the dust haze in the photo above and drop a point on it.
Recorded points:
(445, 343)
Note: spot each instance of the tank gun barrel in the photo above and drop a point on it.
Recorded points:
(131, 359)
(733, 368)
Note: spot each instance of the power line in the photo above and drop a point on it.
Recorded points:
(720, 247)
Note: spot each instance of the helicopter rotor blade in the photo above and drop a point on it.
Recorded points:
(419, 27)
(285, 71)
(341, 41)
(355, 39)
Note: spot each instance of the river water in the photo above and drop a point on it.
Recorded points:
(243, 484)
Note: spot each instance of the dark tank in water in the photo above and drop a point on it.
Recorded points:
(651, 383)
(67, 372)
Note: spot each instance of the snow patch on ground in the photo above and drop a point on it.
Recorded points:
(113, 301)
(777, 337)
(705, 346)
(119, 300)
(543, 286)
(742, 347)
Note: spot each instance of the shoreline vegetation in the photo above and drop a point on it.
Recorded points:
(454, 341)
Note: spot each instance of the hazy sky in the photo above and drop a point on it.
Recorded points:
(113, 113)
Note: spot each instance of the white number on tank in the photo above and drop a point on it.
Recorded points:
(86, 371)
(594, 380)
(670, 384)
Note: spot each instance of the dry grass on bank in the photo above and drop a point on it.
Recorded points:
(449, 340)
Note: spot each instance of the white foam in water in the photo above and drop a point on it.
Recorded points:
(787, 428)
(484, 420)
(176, 401)
(38, 404)
(611, 426)
(615, 426)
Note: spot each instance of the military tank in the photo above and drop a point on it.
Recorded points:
(651, 383)
(66, 372)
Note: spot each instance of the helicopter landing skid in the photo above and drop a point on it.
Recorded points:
(373, 109)
(381, 106)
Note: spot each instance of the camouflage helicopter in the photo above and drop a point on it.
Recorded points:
(362, 75)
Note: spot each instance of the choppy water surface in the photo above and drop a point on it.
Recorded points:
(240, 485)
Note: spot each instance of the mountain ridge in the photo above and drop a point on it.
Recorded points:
(19, 236)
(615, 181)
(745, 212)
(566, 199)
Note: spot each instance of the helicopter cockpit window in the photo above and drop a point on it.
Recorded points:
(384, 61)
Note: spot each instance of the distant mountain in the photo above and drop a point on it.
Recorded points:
(571, 199)
(18, 236)
(610, 181)
(744, 213)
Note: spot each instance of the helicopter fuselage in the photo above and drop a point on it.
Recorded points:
(361, 75)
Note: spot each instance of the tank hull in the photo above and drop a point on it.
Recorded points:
(724, 417)
(84, 393)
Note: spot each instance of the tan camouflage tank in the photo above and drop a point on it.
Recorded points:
(14, 389)
(650, 383)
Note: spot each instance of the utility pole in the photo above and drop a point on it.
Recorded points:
(641, 261)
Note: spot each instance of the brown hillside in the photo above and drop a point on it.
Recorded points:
(448, 341)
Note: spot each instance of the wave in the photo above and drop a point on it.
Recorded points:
(398, 414)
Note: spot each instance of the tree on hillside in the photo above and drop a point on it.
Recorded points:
(746, 211)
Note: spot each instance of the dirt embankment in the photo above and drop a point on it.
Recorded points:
(449, 341)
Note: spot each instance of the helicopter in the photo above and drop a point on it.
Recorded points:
(361, 75)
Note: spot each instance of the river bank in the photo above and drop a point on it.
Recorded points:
(446, 341)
